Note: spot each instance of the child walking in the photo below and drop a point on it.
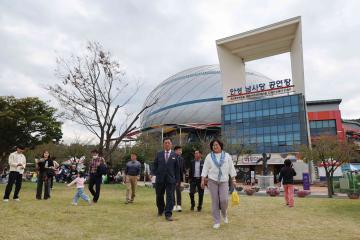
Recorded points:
(79, 180)
(287, 174)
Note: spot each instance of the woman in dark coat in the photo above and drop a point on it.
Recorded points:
(45, 168)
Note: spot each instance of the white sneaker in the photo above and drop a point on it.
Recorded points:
(216, 226)
(17, 199)
(175, 208)
(5, 200)
(74, 203)
(226, 220)
(179, 208)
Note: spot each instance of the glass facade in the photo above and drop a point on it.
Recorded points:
(272, 125)
(322, 127)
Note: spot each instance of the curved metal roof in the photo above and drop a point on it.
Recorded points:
(191, 96)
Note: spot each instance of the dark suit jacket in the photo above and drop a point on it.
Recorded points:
(166, 172)
(192, 169)
(181, 163)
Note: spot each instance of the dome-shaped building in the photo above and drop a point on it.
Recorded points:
(191, 97)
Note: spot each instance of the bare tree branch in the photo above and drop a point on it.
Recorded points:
(92, 90)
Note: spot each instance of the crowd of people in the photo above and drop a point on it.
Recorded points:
(214, 172)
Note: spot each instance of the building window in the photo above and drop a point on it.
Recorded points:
(322, 128)
(271, 125)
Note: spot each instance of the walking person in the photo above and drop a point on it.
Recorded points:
(132, 175)
(177, 197)
(217, 167)
(166, 170)
(287, 174)
(17, 162)
(45, 168)
(95, 174)
(79, 181)
(195, 180)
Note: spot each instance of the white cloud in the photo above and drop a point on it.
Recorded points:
(156, 39)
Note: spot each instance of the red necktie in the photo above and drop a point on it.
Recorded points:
(166, 156)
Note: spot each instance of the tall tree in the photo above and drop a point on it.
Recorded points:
(94, 91)
(146, 146)
(26, 121)
(330, 153)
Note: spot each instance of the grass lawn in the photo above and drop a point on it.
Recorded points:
(255, 218)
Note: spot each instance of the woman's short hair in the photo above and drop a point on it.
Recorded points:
(219, 142)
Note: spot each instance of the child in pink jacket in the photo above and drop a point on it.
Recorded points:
(79, 180)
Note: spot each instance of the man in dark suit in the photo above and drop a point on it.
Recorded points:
(178, 151)
(195, 180)
(166, 170)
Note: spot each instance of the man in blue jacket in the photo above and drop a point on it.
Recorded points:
(166, 170)
(177, 202)
(132, 175)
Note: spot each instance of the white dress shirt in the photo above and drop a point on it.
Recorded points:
(168, 155)
(197, 168)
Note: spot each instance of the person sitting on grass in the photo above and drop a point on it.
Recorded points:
(79, 180)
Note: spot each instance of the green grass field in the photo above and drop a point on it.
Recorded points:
(255, 218)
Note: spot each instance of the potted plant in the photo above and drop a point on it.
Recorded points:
(272, 191)
(353, 195)
(249, 191)
(303, 193)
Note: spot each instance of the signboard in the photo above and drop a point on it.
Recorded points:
(306, 181)
(276, 158)
(260, 90)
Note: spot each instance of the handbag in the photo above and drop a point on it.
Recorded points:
(235, 199)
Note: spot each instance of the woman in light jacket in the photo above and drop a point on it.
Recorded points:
(218, 166)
